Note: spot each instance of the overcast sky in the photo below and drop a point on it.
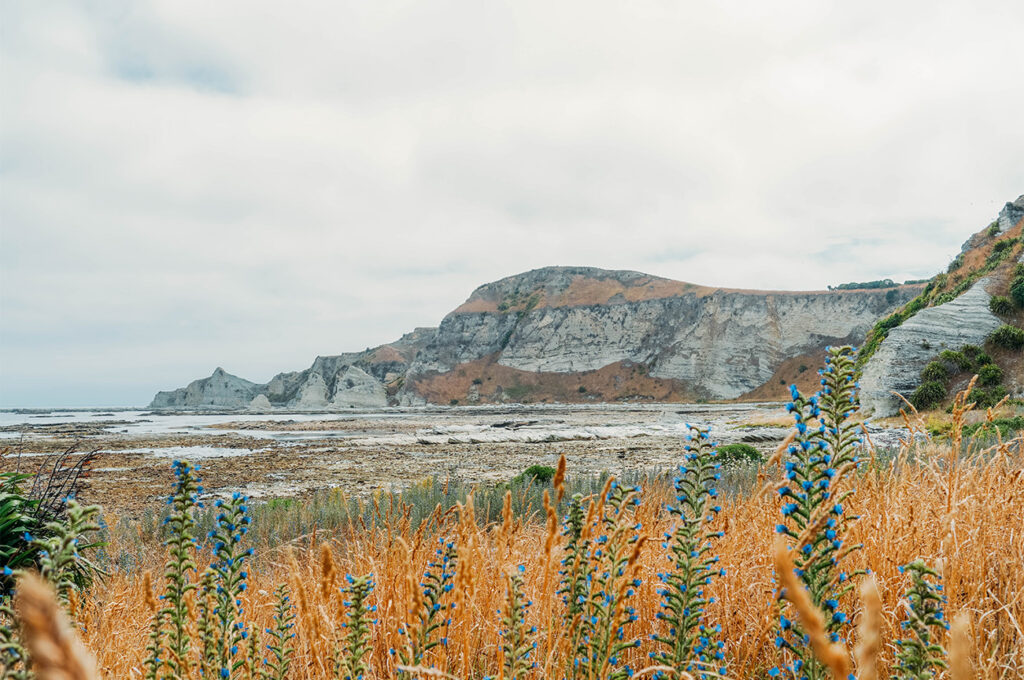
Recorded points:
(185, 185)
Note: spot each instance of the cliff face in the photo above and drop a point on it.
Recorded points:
(357, 379)
(955, 311)
(704, 342)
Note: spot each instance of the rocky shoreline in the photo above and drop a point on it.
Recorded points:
(297, 454)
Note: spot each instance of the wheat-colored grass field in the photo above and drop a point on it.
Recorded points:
(958, 508)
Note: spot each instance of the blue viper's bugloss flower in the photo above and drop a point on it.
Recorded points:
(824, 442)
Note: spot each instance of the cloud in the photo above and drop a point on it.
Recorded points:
(192, 184)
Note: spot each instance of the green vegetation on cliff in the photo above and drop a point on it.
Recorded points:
(952, 367)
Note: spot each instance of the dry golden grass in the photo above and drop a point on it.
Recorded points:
(965, 514)
(56, 652)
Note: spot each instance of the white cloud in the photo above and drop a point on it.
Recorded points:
(187, 184)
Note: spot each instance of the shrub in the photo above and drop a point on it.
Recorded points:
(984, 397)
(540, 474)
(935, 371)
(1017, 287)
(739, 452)
(1000, 246)
(928, 395)
(990, 374)
(993, 229)
(958, 359)
(971, 351)
(1008, 337)
(1000, 305)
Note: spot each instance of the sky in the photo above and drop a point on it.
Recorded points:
(191, 184)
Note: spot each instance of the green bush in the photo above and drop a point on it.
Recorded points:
(1008, 337)
(1000, 246)
(990, 374)
(971, 351)
(958, 359)
(929, 395)
(976, 357)
(983, 397)
(935, 371)
(535, 474)
(1000, 305)
(739, 452)
(1017, 287)
(993, 229)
